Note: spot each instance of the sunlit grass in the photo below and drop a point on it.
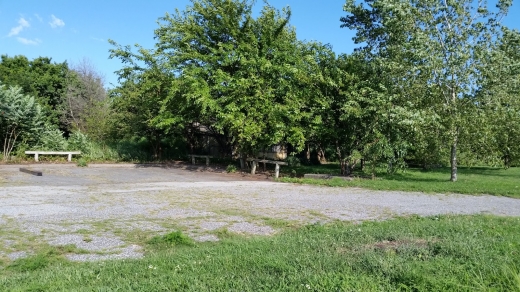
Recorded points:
(442, 253)
(474, 180)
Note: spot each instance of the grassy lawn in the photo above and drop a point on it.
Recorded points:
(444, 253)
(474, 180)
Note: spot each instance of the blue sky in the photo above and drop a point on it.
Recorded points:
(71, 30)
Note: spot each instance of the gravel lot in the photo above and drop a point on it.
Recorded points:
(106, 210)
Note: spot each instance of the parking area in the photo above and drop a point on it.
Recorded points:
(105, 211)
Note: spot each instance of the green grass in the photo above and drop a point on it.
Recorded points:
(446, 253)
(475, 180)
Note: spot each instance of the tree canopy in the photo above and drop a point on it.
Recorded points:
(434, 53)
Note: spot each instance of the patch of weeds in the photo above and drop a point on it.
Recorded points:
(83, 231)
(176, 238)
(224, 233)
(231, 168)
(279, 223)
(41, 260)
(82, 162)
(137, 236)
(87, 239)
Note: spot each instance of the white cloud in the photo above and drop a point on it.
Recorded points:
(56, 22)
(22, 24)
(97, 39)
(28, 41)
(39, 17)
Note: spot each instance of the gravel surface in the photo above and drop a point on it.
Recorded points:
(103, 210)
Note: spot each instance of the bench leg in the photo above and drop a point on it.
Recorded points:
(207, 161)
(253, 167)
(36, 157)
(69, 159)
(276, 170)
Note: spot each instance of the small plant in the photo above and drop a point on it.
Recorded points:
(231, 168)
(172, 239)
(82, 162)
(293, 161)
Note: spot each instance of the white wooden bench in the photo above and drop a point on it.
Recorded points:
(38, 153)
(200, 156)
(276, 168)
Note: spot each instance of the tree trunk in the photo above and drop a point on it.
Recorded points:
(453, 159)
(341, 160)
(321, 156)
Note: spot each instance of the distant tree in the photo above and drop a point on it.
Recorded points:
(498, 100)
(85, 97)
(20, 117)
(439, 45)
(138, 100)
(41, 78)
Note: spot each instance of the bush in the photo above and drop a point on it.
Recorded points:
(52, 139)
(293, 161)
(231, 168)
(82, 162)
(78, 141)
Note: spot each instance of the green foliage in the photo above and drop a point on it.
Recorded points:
(86, 107)
(429, 56)
(40, 78)
(51, 138)
(82, 162)
(21, 117)
(239, 78)
(78, 141)
(231, 168)
(293, 161)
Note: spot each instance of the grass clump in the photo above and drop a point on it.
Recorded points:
(438, 253)
(176, 238)
(50, 255)
(82, 162)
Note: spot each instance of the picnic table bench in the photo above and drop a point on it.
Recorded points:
(200, 156)
(276, 162)
(38, 153)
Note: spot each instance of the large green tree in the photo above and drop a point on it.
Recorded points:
(432, 51)
(498, 100)
(236, 75)
(41, 78)
(137, 102)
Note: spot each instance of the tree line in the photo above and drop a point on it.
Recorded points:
(431, 83)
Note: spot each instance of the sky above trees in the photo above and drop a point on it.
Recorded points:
(68, 30)
(71, 30)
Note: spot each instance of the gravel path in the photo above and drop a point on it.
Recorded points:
(105, 211)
